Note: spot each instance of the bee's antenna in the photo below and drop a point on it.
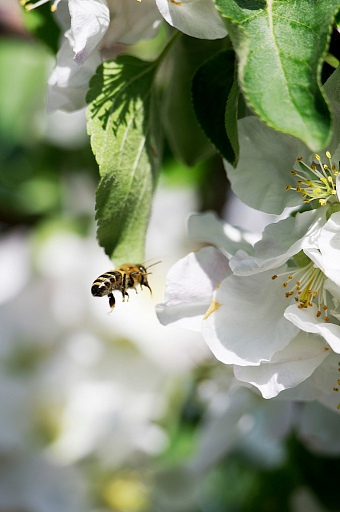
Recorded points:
(153, 264)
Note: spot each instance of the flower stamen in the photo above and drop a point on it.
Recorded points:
(30, 7)
(307, 288)
(316, 181)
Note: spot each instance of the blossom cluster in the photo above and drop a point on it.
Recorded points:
(270, 309)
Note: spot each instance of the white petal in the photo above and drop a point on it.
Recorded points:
(334, 290)
(329, 245)
(306, 320)
(208, 228)
(337, 184)
(62, 16)
(262, 173)
(89, 22)
(198, 18)
(189, 288)
(131, 21)
(319, 386)
(280, 241)
(69, 83)
(288, 368)
(245, 323)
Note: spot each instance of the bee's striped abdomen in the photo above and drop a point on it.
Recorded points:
(106, 283)
(125, 277)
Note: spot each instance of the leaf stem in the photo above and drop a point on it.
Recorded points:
(168, 47)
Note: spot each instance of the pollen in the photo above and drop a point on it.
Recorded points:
(306, 286)
(214, 306)
(316, 181)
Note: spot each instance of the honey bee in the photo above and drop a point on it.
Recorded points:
(122, 278)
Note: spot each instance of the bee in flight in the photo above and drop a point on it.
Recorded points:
(122, 278)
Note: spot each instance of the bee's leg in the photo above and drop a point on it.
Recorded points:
(112, 301)
(132, 283)
(145, 283)
(147, 286)
(124, 292)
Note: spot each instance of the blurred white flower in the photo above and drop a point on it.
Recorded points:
(318, 429)
(32, 482)
(14, 266)
(239, 420)
(76, 382)
(93, 31)
(304, 499)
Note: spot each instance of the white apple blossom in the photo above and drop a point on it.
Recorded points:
(275, 329)
(310, 293)
(191, 281)
(94, 30)
(267, 156)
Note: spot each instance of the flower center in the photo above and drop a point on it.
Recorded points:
(306, 285)
(316, 181)
(30, 7)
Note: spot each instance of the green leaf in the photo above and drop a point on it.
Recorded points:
(215, 98)
(332, 89)
(280, 46)
(126, 141)
(184, 134)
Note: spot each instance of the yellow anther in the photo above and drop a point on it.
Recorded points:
(307, 288)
